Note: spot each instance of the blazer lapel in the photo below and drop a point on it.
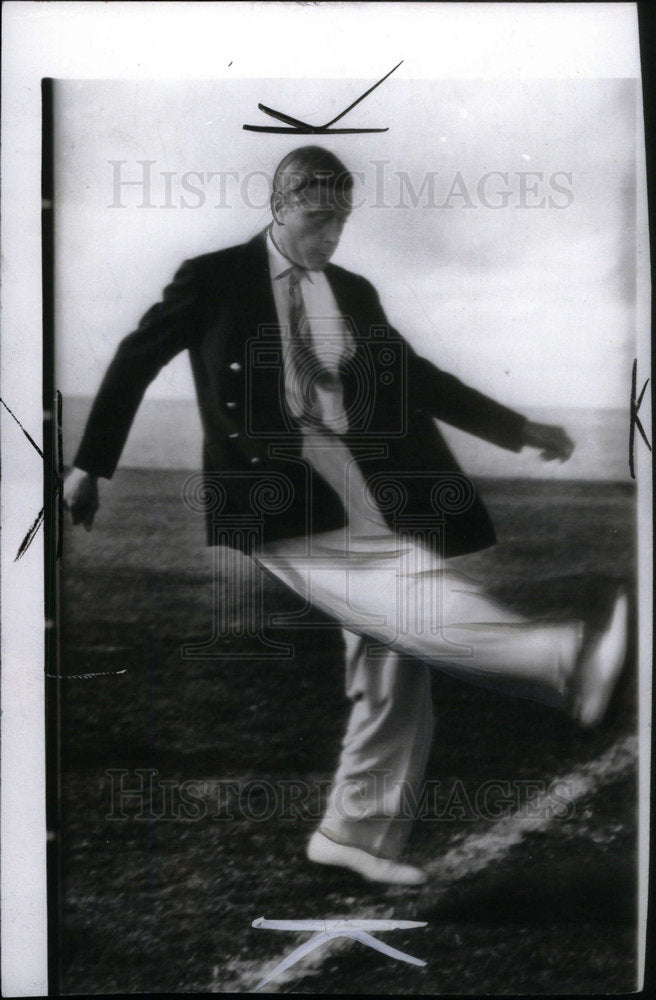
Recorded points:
(261, 342)
(357, 374)
(257, 307)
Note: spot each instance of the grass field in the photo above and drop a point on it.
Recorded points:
(158, 891)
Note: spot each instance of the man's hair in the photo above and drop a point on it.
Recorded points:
(308, 167)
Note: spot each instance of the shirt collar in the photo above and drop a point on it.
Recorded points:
(279, 265)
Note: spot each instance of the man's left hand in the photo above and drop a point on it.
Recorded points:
(552, 442)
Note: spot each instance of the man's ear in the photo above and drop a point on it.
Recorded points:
(277, 206)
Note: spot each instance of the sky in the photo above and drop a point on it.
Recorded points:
(496, 218)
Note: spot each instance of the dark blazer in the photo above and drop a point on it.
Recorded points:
(255, 486)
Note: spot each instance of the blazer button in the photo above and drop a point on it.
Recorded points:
(231, 406)
(235, 367)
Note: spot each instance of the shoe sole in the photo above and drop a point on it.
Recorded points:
(604, 666)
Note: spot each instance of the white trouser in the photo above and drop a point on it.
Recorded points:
(398, 594)
(380, 775)
(393, 591)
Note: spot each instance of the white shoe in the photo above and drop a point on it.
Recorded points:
(324, 851)
(600, 665)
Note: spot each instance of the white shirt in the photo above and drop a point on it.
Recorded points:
(332, 340)
(331, 336)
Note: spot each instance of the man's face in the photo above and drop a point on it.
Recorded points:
(311, 225)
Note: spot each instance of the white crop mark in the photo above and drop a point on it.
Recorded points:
(471, 855)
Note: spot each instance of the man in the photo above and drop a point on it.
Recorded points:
(305, 390)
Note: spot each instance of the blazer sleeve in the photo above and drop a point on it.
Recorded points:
(164, 331)
(446, 398)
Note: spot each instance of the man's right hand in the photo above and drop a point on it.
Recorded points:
(81, 496)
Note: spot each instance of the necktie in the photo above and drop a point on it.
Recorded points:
(313, 390)
(303, 368)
